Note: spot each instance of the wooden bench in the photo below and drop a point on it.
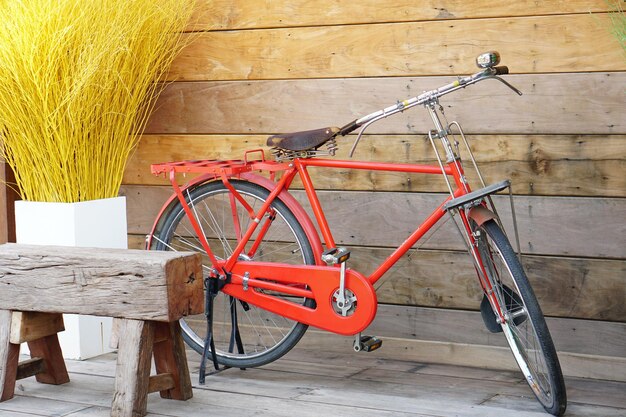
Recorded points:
(148, 292)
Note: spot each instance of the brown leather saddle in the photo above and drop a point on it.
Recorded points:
(303, 141)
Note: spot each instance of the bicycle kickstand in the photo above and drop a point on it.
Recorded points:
(212, 285)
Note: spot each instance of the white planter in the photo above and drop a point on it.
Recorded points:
(96, 223)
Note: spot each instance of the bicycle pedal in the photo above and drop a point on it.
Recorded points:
(368, 344)
(334, 256)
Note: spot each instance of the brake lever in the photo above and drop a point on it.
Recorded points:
(519, 93)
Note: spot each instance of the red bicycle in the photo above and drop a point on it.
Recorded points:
(268, 275)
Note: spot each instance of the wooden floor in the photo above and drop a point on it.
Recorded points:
(312, 383)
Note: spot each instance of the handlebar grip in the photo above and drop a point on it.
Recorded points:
(348, 128)
(503, 70)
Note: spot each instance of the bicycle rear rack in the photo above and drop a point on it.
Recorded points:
(231, 167)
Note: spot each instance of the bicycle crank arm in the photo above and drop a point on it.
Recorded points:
(279, 288)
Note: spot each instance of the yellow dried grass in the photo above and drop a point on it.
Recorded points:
(78, 80)
(618, 22)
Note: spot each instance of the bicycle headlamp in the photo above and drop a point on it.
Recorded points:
(488, 59)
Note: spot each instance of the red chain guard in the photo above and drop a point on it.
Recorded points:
(317, 282)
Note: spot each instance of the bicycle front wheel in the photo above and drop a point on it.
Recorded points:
(264, 336)
(524, 325)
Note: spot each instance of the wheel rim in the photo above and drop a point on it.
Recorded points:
(262, 332)
(518, 327)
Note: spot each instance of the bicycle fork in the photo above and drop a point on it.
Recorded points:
(473, 206)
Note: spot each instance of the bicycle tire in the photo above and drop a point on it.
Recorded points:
(266, 336)
(524, 327)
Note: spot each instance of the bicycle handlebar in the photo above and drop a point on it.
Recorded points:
(503, 70)
(430, 96)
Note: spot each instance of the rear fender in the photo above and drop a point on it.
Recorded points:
(284, 196)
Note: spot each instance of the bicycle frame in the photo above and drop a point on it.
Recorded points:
(310, 281)
(240, 275)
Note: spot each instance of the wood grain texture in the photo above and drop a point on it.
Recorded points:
(30, 367)
(132, 373)
(9, 357)
(240, 14)
(586, 103)
(386, 219)
(170, 359)
(548, 226)
(565, 287)
(102, 282)
(466, 327)
(49, 349)
(310, 384)
(8, 373)
(8, 195)
(573, 165)
(161, 382)
(26, 326)
(537, 44)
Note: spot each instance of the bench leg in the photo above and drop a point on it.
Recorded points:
(9, 358)
(49, 350)
(47, 364)
(170, 358)
(132, 372)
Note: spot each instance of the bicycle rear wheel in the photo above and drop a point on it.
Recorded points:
(266, 336)
(524, 325)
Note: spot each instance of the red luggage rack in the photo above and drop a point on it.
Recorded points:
(216, 167)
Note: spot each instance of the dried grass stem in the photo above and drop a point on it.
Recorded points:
(78, 80)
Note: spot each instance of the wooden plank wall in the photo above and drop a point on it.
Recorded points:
(258, 68)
